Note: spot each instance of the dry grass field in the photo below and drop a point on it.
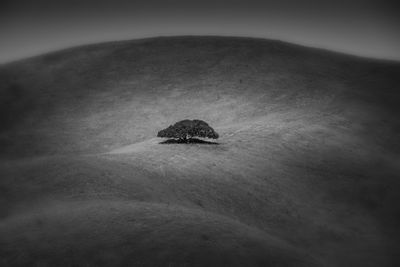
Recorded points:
(306, 172)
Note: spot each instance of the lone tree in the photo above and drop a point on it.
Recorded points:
(184, 131)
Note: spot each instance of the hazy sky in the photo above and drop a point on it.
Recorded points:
(362, 27)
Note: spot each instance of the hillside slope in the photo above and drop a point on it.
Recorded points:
(306, 172)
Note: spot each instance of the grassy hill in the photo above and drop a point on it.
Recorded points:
(306, 172)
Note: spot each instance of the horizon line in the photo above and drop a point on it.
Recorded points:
(242, 36)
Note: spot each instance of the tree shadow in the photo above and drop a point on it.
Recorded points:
(188, 141)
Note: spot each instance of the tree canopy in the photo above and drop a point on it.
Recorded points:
(187, 129)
